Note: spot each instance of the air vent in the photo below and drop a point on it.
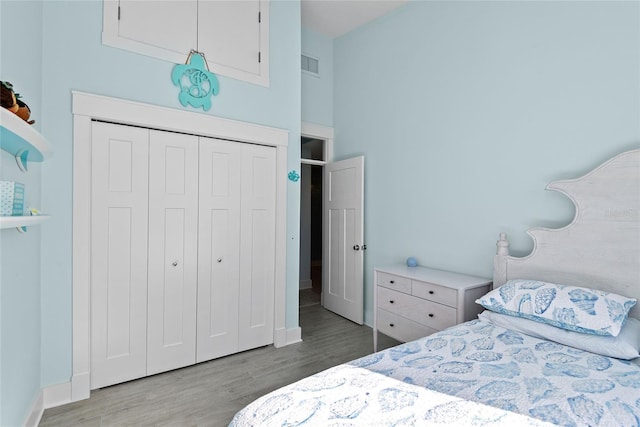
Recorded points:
(310, 65)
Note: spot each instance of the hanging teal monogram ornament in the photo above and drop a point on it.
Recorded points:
(196, 82)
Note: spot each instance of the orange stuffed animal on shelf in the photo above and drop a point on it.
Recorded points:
(11, 101)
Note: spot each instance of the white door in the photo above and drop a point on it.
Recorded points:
(257, 246)
(218, 248)
(229, 33)
(119, 209)
(169, 25)
(343, 238)
(173, 256)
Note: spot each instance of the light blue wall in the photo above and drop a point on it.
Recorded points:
(20, 63)
(466, 110)
(75, 59)
(317, 91)
(60, 52)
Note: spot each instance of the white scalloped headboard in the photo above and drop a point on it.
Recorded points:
(600, 249)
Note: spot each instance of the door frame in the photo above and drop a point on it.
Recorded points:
(88, 107)
(312, 130)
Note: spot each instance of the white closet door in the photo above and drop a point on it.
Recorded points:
(218, 248)
(118, 253)
(173, 240)
(257, 246)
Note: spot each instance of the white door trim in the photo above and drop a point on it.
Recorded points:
(87, 107)
(313, 130)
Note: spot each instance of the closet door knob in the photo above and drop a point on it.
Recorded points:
(219, 259)
(356, 247)
(174, 263)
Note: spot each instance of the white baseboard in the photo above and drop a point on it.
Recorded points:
(284, 337)
(35, 414)
(56, 395)
(306, 284)
(48, 397)
(294, 335)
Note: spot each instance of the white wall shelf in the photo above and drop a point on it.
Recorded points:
(17, 137)
(21, 221)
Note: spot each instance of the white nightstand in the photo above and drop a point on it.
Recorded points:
(413, 302)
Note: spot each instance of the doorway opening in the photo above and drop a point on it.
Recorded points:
(316, 150)
(310, 234)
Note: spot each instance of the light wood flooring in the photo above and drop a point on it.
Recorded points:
(210, 393)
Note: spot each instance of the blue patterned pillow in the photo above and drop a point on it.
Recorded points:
(568, 307)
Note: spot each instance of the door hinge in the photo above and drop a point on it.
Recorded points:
(118, 13)
(259, 17)
(259, 57)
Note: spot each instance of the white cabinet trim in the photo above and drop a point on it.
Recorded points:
(88, 107)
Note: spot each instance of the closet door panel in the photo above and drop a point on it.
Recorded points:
(257, 246)
(218, 248)
(173, 235)
(118, 253)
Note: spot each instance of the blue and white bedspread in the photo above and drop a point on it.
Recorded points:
(471, 374)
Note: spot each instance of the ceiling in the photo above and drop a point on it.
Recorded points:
(334, 18)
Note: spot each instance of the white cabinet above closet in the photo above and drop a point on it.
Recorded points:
(233, 35)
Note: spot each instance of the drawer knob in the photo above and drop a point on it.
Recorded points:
(431, 292)
(390, 301)
(392, 282)
(430, 314)
(391, 325)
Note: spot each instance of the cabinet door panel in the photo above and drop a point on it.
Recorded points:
(218, 248)
(257, 246)
(173, 236)
(165, 24)
(118, 253)
(229, 33)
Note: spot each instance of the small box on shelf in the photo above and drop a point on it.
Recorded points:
(11, 198)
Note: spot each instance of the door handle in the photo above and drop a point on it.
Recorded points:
(356, 247)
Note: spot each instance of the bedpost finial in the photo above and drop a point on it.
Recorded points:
(503, 245)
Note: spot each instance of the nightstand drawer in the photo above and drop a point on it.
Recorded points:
(397, 302)
(427, 313)
(398, 283)
(435, 293)
(400, 328)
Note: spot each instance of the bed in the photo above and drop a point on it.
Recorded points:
(558, 343)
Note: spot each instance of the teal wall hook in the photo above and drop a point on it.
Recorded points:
(197, 84)
(294, 176)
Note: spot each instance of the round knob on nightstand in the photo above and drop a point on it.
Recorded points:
(391, 301)
(391, 324)
(430, 314)
(391, 281)
(431, 292)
